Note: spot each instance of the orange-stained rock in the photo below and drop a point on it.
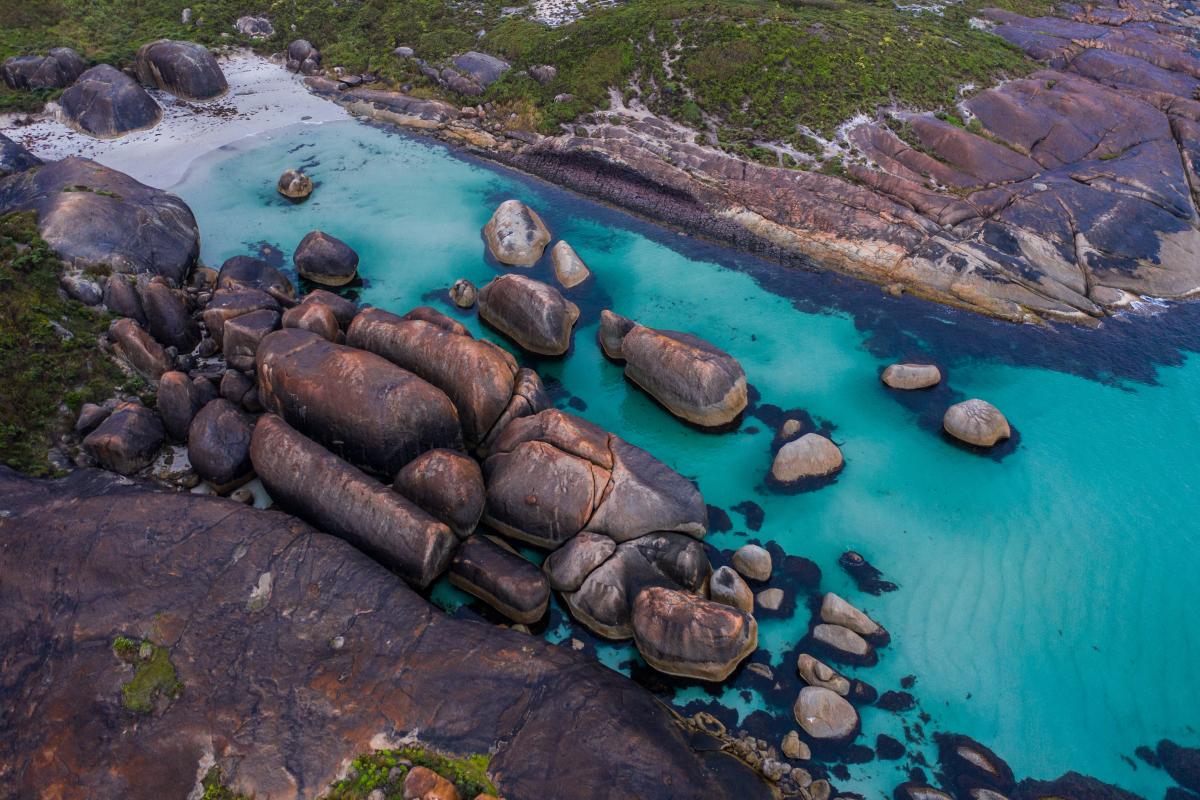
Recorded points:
(424, 784)
(531, 313)
(314, 318)
(684, 634)
(138, 347)
(448, 485)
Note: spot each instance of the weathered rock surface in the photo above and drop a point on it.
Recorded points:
(692, 379)
(325, 259)
(244, 272)
(363, 407)
(817, 673)
(568, 566)
(463, 293)
(177, 401)
(227, 304)
(613, 328)
(219, 443)
(167, 315)
(810, 456)
(568, 266)
(14, 157)
(500, 578)
(294, 185)
(446, 484)
(911, 376)
(422, 783)
(314, 318)
(836, 611)
(127, 440)
(303, 57)
(516, 235)
(344, 310)
(682, 634)
(57, 70)
(825, 715)
(752, 562)
(531, 313)
(976, 422)
(121, 298)
(726, 586)
(484, 69)
(243, 334)
(254, 27)
(843, 644)
(138, 348)
(107, 103)
(181, 568)
(185, 69)
(92, 215)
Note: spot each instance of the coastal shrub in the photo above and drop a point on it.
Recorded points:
(385, 770)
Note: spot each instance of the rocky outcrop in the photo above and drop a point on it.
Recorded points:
(185, 69)
(691, 378)
(107, 103)
(516, 235)
(58, 70)
(92, 215)
(976, 422)
(531, 313)
(14, 157)
(186, 571)
(325, 259)
(500, 578)
(361, 406)
(681, 634)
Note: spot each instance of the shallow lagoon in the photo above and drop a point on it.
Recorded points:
(1047, 597)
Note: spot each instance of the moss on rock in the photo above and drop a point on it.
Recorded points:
(385, 770)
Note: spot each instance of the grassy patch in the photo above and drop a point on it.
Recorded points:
(48, 353)
(153, 677)
(215, 788)
(385, 770)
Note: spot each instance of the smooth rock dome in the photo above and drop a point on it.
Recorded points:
(825, 715)
(568, 266)
(810, 456)
(294, 185)
(185, 69)
(531, 313)
(911, 376)
(107, 103)
(976, 422)
(516, 235)
(326, 260)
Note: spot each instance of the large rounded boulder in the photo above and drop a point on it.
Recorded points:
(219, 443)
(325, 259)
(185, 69)
(976, 422)
(127, 440)
(448, 485)
(516, 235)
(531, 313)
(107, 103)
(92, 215)
(825, 715)
(361, 406)
(810, 456)
(245, 272)
(501, 578)
(682, 634)
(302, 57)
(58, 70)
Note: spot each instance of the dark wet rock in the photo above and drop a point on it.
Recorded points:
(314, 318)
(976, 422)
(810, 456)
(680, 633)
(167, 315)
(817, 673)
(138, 348)
(57, 70)
(727, 587)
(969, 764)
(825, 715)
(1176, 793)
(463, 293)
(163, 559)
(244, 333)
(1071, 786)
(896, 701)
(516, 235)
(14, 157)
(121, 298)
(613, 328)
(836, 611)
(500, 578)
(92, 215)
(568, 266)
(531, 313)
(106, 103)
(185, 69)
(477, 375)
(235, 385)
(843, 644)
(244, 272)
(1181, 763)
(344, 310)
(568, 566)
(294, 185)
(484, 69)
(254, 27)
(90, 416)
(752, 562)
(206, 390)
(446, 484)
(308, 480)
(916, 791)
(219, 444)
(693, 379)
(866, 577)
(127, 440)
(888, 748)
(358, 404)
(540, 494)
(227, 304)
(911, 376)
(177, 401)
(326, 260)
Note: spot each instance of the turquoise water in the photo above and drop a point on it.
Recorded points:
(1047, 598)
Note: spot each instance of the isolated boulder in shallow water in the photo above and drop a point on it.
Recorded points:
(692, 379)
(314, 318)
(361, 406)
(825, 715)
(227, 304)
(127, 440)
(516, 235)
(837, 611)
(333, 495)
(726, 586)
(818, 673)
(344, 310)
(138, 347)
(976, 422)
(500, 578)
(446, 484)
(243, 335)
(463, 293)
(294, 185)
(810, 456)
(477, 375)
(683, 634)
(245, 272)
(531, 313)
(568, 566)
(91, 215)
(568, 266)
(753, 562)
(167, 315)
(969, 764)
(911, 376)
(14, 157)
(178, 399)
(185, 69)
(843, 644)
(107, 103)
(219, 443)
(326, 260)
(57, 70)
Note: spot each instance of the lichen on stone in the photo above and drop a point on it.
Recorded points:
(154, 675)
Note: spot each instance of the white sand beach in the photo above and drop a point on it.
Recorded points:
(262, 97)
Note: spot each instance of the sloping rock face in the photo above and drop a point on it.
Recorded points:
(184, 69)
(14, 157)
(54, 71)
(107, 103)
(93, 215)
(181, 571)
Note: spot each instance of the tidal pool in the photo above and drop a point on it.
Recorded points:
(1047, 596)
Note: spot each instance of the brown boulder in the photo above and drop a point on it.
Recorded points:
(294, 185)
(245, 272)
(516, 235)
(500, 578)
(243, 334)
(531, 313)
(568, 566)
(138, 347)
(539, 494)
(167, 315)
(314, 318)
(422, 783)
(177, 401)
(343, 309)
(683, 634)
(127, 440)
(446, 484)
(219, 444)
(233, 302)
(325, 259)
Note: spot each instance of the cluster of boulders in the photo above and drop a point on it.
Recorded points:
(468, 73)
(302, 57)
(56, 70)
(974, 422)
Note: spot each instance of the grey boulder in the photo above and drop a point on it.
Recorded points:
(976, 422)
(57, 70)
(516, 235)
(14, 157)
(185, 69)
(107, 103)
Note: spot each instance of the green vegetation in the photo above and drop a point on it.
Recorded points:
(385, 770)
(153, 676)
(215, 788)
(48, 353)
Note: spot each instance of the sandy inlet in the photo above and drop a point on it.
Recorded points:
(262, 97)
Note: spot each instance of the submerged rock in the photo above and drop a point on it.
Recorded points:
(825, 715)
(568, 266)
(106, 103)
(682, 634)
(294, 185)
(516, 235)
(219, 444)
(911, 376)
(531, 313)
(58, 70)
(185, 69)
(326, 260)
(810, 456)
(500, 578)
(446, 484)
(127, 440)
(976, 422)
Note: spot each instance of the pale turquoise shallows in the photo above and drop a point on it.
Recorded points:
(1048, 600)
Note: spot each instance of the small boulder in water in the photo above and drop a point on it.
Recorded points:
(976, 422)
(516, 235)
(818, 673)
(568, 266)
(843, 644)
(463, 293)
(726, 586)
(294, 185)
(810, 456)
(683, 634)
(326, 260)
(911, 376)
(825, 715)
(533, 314)
(753, 562)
